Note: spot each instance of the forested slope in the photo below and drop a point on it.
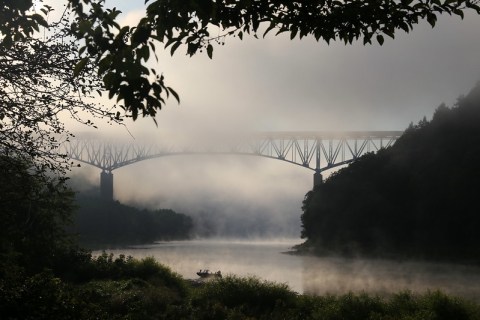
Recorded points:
(418, 198)
(100, 222)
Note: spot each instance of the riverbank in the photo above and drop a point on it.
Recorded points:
(121, 288)
(306, 249)
(310, 274)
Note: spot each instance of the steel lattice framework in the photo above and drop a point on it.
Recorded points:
(318, 151)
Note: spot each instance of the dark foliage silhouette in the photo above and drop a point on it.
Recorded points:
(103, 222)
(418, 198)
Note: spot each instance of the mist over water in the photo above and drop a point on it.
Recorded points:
(260, 258)
(226, 196)
(323, 275)
(267, 260)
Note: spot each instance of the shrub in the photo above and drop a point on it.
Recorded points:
(250, 296)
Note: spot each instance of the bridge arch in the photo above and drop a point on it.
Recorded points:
(316, 151)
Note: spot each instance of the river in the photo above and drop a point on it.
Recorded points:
(266, 259)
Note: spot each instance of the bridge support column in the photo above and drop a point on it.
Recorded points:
(317, 179)
(106, 185)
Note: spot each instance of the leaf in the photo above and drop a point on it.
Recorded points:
(141, 35)
(473, 6)
(145, 52)
(272, 25)
(281, 31)
(458, 12)
(80, 66)
(84, 26)
(169, 42)
(404, 26)
(366, 39)
(40, 20)
(109, 79)
(192, 48)
(209, 51)
(390, 33)
(82, 50)
(152, 45)
(294, 33)
(103, 65)
(175, 47)
(380, 39)
(432, 19)
(174, 93)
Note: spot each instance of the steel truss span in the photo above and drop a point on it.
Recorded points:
(317, 151)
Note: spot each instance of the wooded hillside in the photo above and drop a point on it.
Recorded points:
(418, 198)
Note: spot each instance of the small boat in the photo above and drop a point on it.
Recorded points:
(205, 274)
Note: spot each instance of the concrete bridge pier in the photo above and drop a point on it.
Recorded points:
(317, 178)
(106, 185)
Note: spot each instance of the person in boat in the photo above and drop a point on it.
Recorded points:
(206, 274)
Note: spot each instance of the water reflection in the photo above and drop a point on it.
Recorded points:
(313, 275)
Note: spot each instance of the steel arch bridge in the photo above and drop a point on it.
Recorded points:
(317, 151)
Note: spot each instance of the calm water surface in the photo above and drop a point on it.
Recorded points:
(313, 275)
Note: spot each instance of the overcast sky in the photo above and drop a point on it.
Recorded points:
(275, 84)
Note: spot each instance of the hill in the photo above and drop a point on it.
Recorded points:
(418, 198)
(100, 222)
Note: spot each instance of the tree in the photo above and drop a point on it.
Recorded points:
(417, 198)
(120, 53)
(34, 211)
(37, 86)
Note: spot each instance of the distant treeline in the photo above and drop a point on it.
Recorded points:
(419, 198)
(99, 221)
